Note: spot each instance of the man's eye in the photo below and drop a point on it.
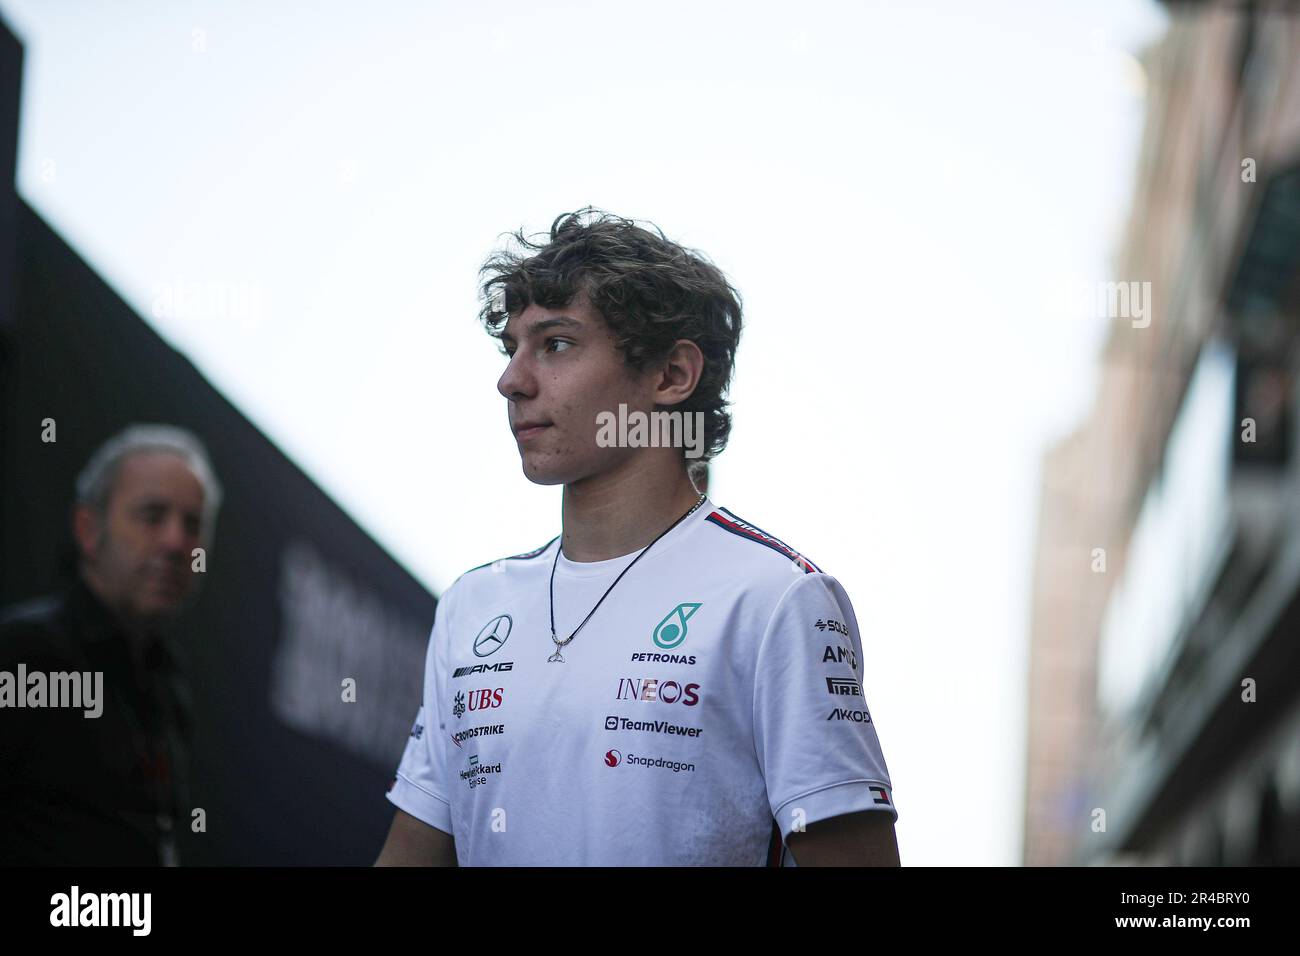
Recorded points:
(507, 352)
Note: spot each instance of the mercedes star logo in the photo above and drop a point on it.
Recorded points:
(493, 636)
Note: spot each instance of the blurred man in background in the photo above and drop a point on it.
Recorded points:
(103, 783)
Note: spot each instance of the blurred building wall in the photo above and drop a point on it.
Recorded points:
(1141, 748)
(296, 597)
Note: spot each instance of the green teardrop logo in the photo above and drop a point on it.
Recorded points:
(671, 631)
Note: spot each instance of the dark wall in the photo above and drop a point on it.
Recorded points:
(295, 599)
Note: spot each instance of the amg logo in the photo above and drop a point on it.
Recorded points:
(480, 668)
(844, 686)
(857, 716)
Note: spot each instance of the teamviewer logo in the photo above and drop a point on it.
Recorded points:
(611, 723)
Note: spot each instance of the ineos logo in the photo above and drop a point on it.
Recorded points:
(493, 636)
(664, 691)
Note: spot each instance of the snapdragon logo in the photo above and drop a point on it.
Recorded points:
(102, 909)
(614, 758)
(80, 690)
(652, 430)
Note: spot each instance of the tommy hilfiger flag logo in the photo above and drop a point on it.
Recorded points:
(880, 795)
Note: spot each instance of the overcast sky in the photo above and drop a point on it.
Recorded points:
(900, 192)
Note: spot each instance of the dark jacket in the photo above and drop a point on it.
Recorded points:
(79, 791)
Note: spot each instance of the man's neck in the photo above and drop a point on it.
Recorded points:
(616, 513)
(138, 633)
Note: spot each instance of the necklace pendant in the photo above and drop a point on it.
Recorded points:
(555, 657)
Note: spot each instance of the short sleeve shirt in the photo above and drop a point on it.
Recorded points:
(712, 705)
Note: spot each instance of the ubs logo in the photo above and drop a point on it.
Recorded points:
(493, 636)
(483, 698)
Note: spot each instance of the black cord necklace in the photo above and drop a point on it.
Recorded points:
(559, 644)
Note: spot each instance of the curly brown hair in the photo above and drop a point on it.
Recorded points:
(649, 290)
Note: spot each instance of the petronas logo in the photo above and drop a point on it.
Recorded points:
(672, 629)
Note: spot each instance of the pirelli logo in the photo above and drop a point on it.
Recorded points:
(844, 686)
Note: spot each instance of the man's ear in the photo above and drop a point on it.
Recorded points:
(681, 373)
(87, 528)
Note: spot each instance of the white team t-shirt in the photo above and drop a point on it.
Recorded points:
(710, 706)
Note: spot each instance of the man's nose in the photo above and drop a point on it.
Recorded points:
(174, 536)
(518, 380)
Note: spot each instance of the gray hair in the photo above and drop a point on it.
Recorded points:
(96, 481)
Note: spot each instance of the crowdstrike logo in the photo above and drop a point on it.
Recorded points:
(471, 732)
(649, 688)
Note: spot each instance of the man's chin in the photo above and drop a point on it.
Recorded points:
(543, 478)
(542, 475)
(160, 609)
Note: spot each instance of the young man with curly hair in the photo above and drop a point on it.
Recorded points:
(664, 683)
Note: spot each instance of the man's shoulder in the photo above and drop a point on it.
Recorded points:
(758, 569)
(756, 553)
(485, 579)
(34, 630)
(499, 564)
